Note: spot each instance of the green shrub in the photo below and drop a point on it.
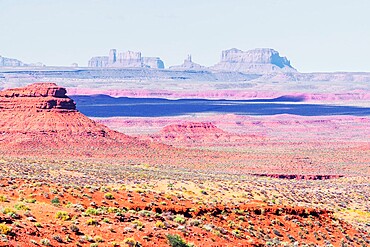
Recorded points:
(160, 224)
(92, 211)
(180, 219)
(108, 196)
(130, 242)
(3, 198)
(8, 211)
(62, 215)
(91, 221)
(21, 206)
(176, 241)
(4, 229)
(55, 201)
(45, 242)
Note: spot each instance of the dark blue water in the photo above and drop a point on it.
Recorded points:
(106, 106)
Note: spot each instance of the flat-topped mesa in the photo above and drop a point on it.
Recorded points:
(192, 127)
(260, 61)
(42, 96)
(128, 59)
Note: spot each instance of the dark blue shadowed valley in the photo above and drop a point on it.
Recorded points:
(106, 106)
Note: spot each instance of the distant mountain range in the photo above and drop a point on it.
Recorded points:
(258, 61)
(258, 65)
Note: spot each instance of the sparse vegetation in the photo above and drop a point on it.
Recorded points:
(176, 241)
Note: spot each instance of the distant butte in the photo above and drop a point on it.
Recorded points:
(260, 61)
(188, 65)
(128, 59)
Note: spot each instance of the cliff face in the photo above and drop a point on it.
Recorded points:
(41, 120)
(129, 59)
(47, 96)
(257, 61)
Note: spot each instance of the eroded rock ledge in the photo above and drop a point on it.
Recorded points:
(43, 96)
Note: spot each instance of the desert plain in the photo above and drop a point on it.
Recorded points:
(264, 163)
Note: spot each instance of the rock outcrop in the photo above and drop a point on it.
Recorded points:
(40, 120)
(257, 61)
(200, 134)
(188, 65)
(129, 59)
(41, 96)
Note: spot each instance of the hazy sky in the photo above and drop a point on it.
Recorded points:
(316, 35)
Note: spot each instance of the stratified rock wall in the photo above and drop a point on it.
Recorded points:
(37, 96)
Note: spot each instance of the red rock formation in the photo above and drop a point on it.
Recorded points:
(195, 134)
(192, 128)
(37, 96)
(41, 120)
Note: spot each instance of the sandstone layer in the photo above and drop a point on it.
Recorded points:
(37, 96)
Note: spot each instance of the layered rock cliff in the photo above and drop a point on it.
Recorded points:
(40, 120)
(257, 61)
(40, 96)
(129, 59)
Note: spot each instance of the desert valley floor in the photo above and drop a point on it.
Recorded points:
(208, 178)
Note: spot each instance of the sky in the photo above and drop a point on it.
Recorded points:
(315, 35)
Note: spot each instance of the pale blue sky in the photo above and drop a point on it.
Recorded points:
(316, 35)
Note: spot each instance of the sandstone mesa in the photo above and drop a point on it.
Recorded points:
(128, 59)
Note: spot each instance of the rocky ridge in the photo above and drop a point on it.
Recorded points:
(200, 134)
